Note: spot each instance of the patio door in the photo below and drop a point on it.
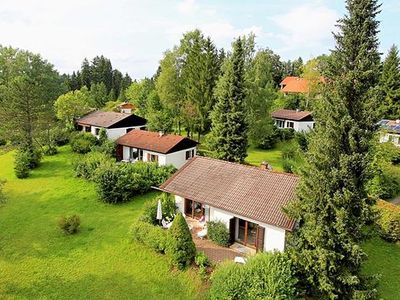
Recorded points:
(250, 234)
(194, 209)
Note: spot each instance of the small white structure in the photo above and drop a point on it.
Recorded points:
(165, 149)
(247, 199)
(390, 131)
(300, 121)
(116, 124)
(126, 108)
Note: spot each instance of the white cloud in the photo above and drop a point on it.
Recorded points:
(306, 26)
(188, 6)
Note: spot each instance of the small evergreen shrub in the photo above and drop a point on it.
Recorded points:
(21, 164)
(267, 275)
(152, 236)
(388, 221)
(180, 245)
(218, 233)
(70, 224)
(83, 142)
(168, 209)
(87, 165)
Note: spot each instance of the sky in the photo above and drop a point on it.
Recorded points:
(134, 34)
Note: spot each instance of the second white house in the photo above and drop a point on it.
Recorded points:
(165, 149)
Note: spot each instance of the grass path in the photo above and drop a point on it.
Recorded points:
(38, 261)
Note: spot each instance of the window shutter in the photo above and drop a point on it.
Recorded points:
(260, 239)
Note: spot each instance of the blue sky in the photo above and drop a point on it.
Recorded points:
(134, 34)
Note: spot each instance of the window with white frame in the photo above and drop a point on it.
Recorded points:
(189, 154)
(290, 124)
(280, 123)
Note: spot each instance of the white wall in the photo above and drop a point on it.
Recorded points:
(274, 238)
(297, 125)
(113, 133)
(178, 159)
(395, 138)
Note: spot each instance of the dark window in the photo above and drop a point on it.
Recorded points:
(97, 131)
(87, 128)
(133, 153)
(128, 129)
(290, 124)
(152, 157)
(189, 154)
(140, 154)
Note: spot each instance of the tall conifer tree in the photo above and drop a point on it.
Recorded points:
(229, 127)
(390, 85)
(333, 206)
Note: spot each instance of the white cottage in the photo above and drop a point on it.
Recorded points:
(247, 199)
(295, 119)
(165, 149)
(116, 124)
(390, 132)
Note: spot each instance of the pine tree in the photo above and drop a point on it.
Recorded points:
(86, 74)
(390, 85)
(333, 206)
(229, 127)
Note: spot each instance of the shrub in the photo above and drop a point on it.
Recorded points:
(301, 139)
(152, 236)
(2, 196)
(201, 260)
(180, 245)
(168, 209)
(388, 221)
(286, 134)
(60, 136)
(267, 275)
(218, 233)
(107, 147)
(3, 142)
(21, 164)
(385, 184)
(287, 166)
(70, 224)
(50, 149)
(83, 142)
(86, 166)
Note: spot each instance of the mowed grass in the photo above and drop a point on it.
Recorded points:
(384, 259)
(273, 156)
(100, 262)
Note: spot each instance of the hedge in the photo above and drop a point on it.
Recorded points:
(87, 165)
(83, 142)
(267, 275)
(388, 221)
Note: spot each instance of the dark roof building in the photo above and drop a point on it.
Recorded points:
(110, 119)
(294, 115)
(156, 142)
(247, 191)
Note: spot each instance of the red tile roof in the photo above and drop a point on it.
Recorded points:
(294, 115)
(153, 141)
(295, 85)
(246, 191)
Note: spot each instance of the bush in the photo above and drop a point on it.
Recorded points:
(152, 236)
(60, 136)
(301, 139)
(286, 134)
(168, 209)
(3, 142)
(107, 147)
(388, 221)
(201, 260)
(87, 165)
(385, 184)
(50, 149)
(83, 142)
(287, 166)
(21, 164)
(180, 245)
(2, 196)
(218, 233)
(69, 225)
(267, 275)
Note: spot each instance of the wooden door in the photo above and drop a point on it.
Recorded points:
(260, 239)
(232, 230)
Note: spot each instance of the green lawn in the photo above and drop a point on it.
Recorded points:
(273, 157)
(384, 259)
(100, 262)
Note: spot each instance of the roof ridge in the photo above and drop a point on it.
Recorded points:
(248, 166)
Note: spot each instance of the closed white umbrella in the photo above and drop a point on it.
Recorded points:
(159, 211)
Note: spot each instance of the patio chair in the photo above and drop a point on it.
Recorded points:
(166, 225)
(202, 233)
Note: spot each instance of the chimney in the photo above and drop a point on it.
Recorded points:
(265, 166)
(160, 133)
(297, 109)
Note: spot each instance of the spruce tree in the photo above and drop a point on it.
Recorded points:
(333, 206)
(390, 85)
(229, 126)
